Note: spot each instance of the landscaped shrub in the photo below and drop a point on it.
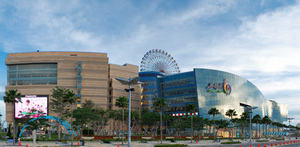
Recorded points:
(172, 140)
(106, 140)
(231, 142)
(262, 140)
(88, 132)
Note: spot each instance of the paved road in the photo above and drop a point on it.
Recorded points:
(150, 144)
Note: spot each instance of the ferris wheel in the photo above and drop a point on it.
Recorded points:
(160, 61)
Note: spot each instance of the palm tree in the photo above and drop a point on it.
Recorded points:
(214, 111)
(122, 102)
(207, 124)
(159, 105)
(191, 108)
(11, 97)
(231, 113)
(198, 124)
(244, 122)
(257, 120)
(222, 124)
(266, 121)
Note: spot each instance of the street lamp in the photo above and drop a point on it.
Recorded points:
(289, 119)
(249, 109)
(129, 82)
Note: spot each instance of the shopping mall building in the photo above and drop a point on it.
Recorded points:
(89, 75)
(207, 88)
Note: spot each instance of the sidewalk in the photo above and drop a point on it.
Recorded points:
(201, 143)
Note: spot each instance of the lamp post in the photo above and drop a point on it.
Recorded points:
(289, 119)
(249, 109)
(129, 82)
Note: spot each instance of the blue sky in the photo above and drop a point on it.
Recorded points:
(258, 40)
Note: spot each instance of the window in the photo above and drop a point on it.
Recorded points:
(32, 74)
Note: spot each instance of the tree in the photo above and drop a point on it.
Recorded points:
(61, 103)
(35, 125)
(149, 120)
(266, 121)
(122, 102)
(199, 124)
(244, 122)
(8, 131)
(191, 108)
(88, 104)
(214, 112)
(159, 105)
(231, 113)
(257, 120)
(83, 116)
(115, 115)
(11, 97)
(100, 121)
(222, 124)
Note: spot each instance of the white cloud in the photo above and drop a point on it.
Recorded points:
(52, 26)
(268, 45)
(202, 9)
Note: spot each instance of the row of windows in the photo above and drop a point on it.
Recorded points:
(178, 83)
(31, 66)
(181, 100)
(145, 84)
(149, 90)
(179, 92)
(32, 82)
(32, 74)
(27, 75)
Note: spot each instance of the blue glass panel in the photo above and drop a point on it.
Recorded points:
(32, 74)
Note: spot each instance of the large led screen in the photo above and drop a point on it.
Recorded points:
(31, 107)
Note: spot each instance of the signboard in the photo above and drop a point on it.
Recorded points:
(184, 114)
(31, 106)
(219, 87)
(277, 133)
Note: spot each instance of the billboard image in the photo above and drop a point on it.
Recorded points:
(31, 106)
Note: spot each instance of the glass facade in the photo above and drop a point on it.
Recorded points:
(209, 88)
(32, 74)
(241, 91)
(150, 88)
(178, 90)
